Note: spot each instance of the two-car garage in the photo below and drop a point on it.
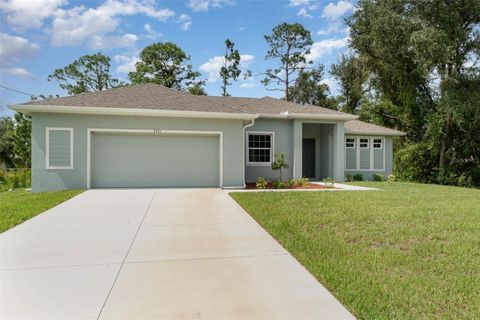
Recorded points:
(145, 158)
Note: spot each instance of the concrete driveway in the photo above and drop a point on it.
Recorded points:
(154, 254)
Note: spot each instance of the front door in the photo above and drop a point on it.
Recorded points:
(308, 158)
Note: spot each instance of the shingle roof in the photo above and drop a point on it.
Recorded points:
(153, 96)
(268, 105)
(142, 96)
(156, 97)
(360, 127)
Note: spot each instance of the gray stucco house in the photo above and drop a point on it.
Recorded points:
(151, 136)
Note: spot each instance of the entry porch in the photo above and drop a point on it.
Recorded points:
(318, 150)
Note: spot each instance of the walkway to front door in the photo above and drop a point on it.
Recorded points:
(154, 254)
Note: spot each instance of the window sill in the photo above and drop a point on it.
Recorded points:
(258, 164)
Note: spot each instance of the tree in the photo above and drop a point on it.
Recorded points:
(15, 141)
(279, 164)
(290, 43)
(7, 128)
(165, 64)
(449, 35)
(418, 58)
(22, 141)
(381, 36)
(309, 89)
(197, 89)
(230, 68)
(352, 76)
(88, 73)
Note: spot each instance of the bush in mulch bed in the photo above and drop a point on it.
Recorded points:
(251, 185)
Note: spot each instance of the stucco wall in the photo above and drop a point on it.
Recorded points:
(76, 178)
(288, 140)
(367, 174)
(283, 143)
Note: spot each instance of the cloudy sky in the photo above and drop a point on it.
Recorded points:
(38, 36)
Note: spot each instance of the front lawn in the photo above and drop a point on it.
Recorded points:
(410, 251)
(19, 205)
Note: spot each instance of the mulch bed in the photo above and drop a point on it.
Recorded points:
(252, 185)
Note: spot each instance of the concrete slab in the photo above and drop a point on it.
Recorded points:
(102, 208)
(144, 253)
(160, 215)
(191, 197)
(262, 287)
(40, 248)
(55, 293)
(202, 242)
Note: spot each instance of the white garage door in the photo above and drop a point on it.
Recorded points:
(120, 160)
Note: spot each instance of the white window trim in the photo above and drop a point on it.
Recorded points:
(272, 148)
(47, 151)
(354, 143)
(381, 143)
(370, 143)
(360, 143)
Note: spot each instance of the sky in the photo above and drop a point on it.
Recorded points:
(38, 36)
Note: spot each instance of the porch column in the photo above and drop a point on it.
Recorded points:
(339, 152)
(297, 148)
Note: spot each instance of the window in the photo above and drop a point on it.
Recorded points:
(377, 143)
(369, 155)
(364, 143)
(259, 148)
(350, 142)
(59, 148)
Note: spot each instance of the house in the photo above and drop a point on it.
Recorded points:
(151, 136)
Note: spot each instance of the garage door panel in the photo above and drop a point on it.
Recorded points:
(136, 160)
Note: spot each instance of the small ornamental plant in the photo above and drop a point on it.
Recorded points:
(378, 177)
(302, 182)
(329, 182)
(277, 184)
(391, 178)
(261, 183)
(358, 177)
(290, 183)
(279, 164)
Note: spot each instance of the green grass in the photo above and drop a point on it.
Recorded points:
(410, 251)
(19, 205)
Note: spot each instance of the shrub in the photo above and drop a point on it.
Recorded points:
(302, 182)
(416, 162)
(391, 178)
(14, 178)
(261, 183)
(329, 182)
(290, 183)
(378, 177)
(464, 181)
(348, 178)
(358, 177)
(277, 184)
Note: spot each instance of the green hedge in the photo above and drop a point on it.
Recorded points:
(15, 178)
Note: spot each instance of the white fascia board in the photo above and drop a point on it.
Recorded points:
(341, 117)
(132, 112)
